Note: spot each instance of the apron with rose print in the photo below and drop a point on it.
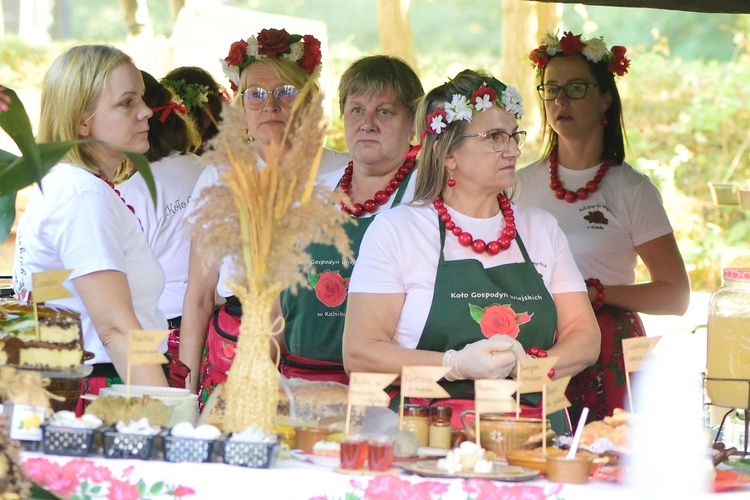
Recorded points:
(315, 316)
(471, 303)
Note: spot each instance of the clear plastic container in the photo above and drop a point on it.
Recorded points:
(728, 350)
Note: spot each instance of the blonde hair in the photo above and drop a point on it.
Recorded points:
(70, 92)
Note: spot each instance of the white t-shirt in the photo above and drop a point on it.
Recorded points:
(167, 234)
(329, 161)
(401, 250)
(79, 223)
(603, 230)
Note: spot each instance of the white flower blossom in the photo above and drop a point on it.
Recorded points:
(595, 49)
(231, 72)
(203, 97)
(296, 53)
(483, 103)
(552, 43)
(437, 124)
(252, 47)
(458, 109)
(512, 102)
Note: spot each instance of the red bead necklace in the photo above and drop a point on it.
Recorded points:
(381, 197)
(117, 191)
(465, 239)
(572, 196)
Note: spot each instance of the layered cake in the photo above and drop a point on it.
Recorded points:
(59, 345)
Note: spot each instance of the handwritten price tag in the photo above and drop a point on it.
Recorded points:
(555, 394)
(495, 396)
(49, 285)
(637, 351)
(421, 381)
(532, 373)
(366, 389)
(143, 347)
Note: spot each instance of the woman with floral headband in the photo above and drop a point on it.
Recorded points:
(266, 73)
(464, 278)
(378, 100)
(173, 139)
(611, 213)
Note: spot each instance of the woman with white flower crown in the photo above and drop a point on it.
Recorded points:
(611, 213)
(463, 277)
(266, 73)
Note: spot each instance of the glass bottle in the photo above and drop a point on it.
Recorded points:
(440, 426)
(417, 420)
(728, 349)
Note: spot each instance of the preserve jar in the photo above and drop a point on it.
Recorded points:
(417, 420)
(440, 426)
(728, 349)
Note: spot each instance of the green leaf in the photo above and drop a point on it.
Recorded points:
(96, 489)
(23, 172)
(6, 159)
(476, 312)
(157, 487)
(140, 163)
(7, 214)
(141, 487)
(312, 278)
(16, 124)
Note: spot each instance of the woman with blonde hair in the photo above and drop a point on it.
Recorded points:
(78, 220)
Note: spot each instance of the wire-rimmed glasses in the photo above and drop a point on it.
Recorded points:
(255, 97)
(500, 139)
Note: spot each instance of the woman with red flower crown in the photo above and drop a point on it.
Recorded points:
(377, 98)
(611, 213)
(266, 72)
(462, 277)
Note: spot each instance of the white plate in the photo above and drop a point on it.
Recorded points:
(320, 460)
(426, 451)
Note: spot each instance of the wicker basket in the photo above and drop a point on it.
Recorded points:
(120, 445)
(67, 441)
(261, 455)
(179, 449)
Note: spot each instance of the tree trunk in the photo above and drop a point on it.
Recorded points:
(395, 32)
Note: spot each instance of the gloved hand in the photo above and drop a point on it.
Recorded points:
(491, 358)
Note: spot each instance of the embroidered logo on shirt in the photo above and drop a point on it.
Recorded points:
(499, 319)
(330, 287)
(596, 217)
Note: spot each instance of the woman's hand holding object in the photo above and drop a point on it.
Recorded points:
(492, 358)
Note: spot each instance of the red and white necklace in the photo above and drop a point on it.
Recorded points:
(467, 240)
(381, 197)
(572, 196)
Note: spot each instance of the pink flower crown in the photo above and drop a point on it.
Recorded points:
(304, 50)
(593, 49)
(491, 92)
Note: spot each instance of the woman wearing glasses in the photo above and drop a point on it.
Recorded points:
(462, 277)
(378, 98)
(266, 73)
(611, 213)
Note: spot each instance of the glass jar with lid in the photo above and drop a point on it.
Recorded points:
(417, 420)
(728, 349)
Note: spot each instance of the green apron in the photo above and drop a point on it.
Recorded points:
(465, 290)
(314, 328)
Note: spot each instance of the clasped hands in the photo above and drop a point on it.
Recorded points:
(492, 358)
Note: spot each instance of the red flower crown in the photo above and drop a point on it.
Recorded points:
(593, 49)
(304, 50)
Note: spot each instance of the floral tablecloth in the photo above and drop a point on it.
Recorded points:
(99, 478)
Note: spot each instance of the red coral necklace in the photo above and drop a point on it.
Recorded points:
(381, 197)
(465, 239)
(572, 196)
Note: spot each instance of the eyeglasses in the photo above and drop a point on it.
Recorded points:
(500, 139)
(256, 97)
(576, 90)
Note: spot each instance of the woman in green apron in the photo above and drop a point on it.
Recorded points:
(464, 278)
(378, 97)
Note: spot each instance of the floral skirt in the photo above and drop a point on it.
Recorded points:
(601, 387)
(218, 353)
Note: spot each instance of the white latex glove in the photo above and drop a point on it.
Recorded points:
(491, 358)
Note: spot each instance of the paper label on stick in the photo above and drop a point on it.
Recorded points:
(532, 373)
(49, 285)
(495, 396)
(555, 399)
(421, 381)
(366, 389)
(143, 347)
(637, 351)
